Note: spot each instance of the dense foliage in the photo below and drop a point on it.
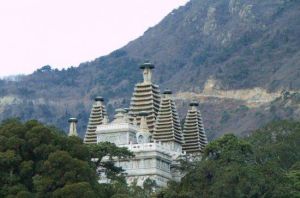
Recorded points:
(266, 164)
(38, 161)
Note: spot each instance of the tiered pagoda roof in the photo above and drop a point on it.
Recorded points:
(167, 127)
(96, 118)
(146, 98)
(193, 131)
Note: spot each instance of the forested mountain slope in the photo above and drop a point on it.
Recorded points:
(265, 164)
(241, 46)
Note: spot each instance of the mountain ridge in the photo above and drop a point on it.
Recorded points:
(241, 44)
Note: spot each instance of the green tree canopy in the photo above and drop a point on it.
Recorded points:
(266, 164)
(39, 161)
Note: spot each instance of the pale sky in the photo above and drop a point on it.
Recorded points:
(64, 33)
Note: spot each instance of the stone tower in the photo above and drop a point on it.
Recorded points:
(73, 127)
(167, 127)
(146, 98)
(193, 131)
(96, 118)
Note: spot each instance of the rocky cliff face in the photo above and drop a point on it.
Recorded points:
(240, 111)
(253, 98)
(235, 56)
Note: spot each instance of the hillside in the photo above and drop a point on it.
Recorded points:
(243, 47)
(265, 164)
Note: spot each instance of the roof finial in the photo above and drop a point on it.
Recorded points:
(73, 127)
(194, 104)
(167, 93)
(99, 98)
(147, 73)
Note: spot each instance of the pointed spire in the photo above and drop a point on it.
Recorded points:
(73, 127)
(97, 115)
(146, 97)
(144, 125)
(193, 131)
(167, 127)
(144, 136)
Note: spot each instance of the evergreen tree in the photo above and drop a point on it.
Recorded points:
(40, 161)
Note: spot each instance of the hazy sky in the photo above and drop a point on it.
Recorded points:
(62, 33)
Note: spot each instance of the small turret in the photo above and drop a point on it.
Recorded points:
(144, 136)
(105, 120)
(133, 118)
(120, 116)
(126, 114)
(73, 127)
(143, 125)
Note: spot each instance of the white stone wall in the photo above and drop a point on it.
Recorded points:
(151, 160)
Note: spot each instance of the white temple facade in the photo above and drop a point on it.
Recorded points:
(151, 159)
(150, 129)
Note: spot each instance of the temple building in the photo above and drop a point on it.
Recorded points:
(150, 129)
